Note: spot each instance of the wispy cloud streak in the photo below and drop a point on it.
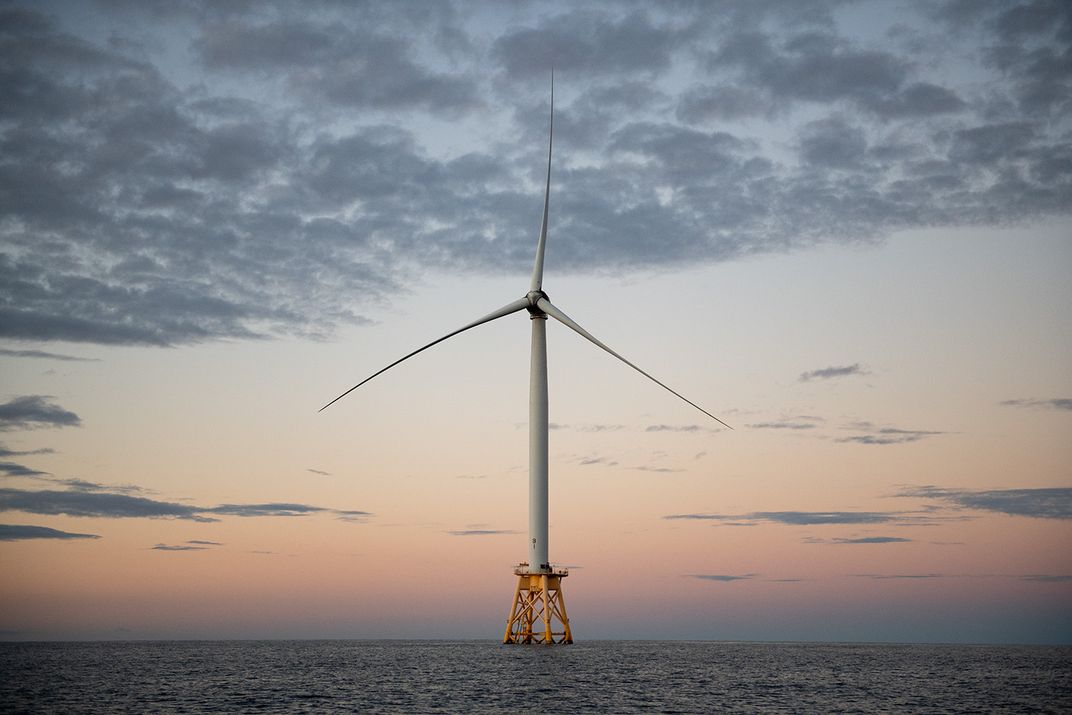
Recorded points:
(6, 452)
(19, 532)
(800, 518)
(42, 355)
(12, 469)
(1055, 403)
(35, 411)
(724, 578)
(900, 577)
(861, 540)
(678, 428)
(1043, 503)
(782, 425)
(827, 373)
(178, 547)
(885, 435)
(104, 504)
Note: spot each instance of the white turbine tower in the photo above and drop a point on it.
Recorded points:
(538, 598)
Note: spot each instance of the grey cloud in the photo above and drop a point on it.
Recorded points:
(826, 373)
(830, 517)
(40, 354)
(587, 42)
(586, 428)
(88, 500)
(138, 211)
(1021, 21)
(782, 425)
(87, 486)
(886, 435)
(871, 540)
(271, 509)
(920, 99)
(6, 452)
(176, 186)
(1057, 403)
(833, 144)
(960, 13)
(319, 471)
(802, 518)
(704, 103)
(680, 152)
(721, 577)
(353, 515)
(599, 428)
(657, 470)
(877, 439)
(11, 469)
(822, 67)
(905, 576)
(1043, 503)
(814, 66)
(626, 96)
(1030, 45)
(990, 144)
(34, 411)
(179, 547)
(200, 542)
(18, 532)
(93, 504)
(677, 428)
(347, 66)
(482, 532)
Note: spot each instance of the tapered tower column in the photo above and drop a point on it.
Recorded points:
(538, 559)
(538, 611)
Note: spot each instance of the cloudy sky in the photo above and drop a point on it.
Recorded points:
(843, 227)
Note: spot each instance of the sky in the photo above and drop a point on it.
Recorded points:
(842, 227)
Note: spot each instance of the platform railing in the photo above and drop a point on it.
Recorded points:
(523, 569)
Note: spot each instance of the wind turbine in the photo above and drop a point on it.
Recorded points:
(538, 599)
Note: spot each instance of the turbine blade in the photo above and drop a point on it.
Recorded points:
(537, 268)
(517, 305)
(547, 307)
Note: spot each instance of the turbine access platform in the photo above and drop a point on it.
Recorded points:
(538, 614)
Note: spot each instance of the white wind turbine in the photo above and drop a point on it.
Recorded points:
(538, 596)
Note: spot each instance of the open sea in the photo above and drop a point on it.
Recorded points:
(483, 676)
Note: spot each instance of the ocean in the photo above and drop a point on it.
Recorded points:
(486, 677)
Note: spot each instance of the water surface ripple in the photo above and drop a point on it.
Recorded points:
(480, 676)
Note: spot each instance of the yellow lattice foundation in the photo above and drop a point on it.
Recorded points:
(538, 614)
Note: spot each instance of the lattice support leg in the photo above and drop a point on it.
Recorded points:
(538, 602)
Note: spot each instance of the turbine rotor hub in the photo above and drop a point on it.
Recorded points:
(534, 297)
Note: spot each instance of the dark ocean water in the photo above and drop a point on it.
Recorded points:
(480, 676)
